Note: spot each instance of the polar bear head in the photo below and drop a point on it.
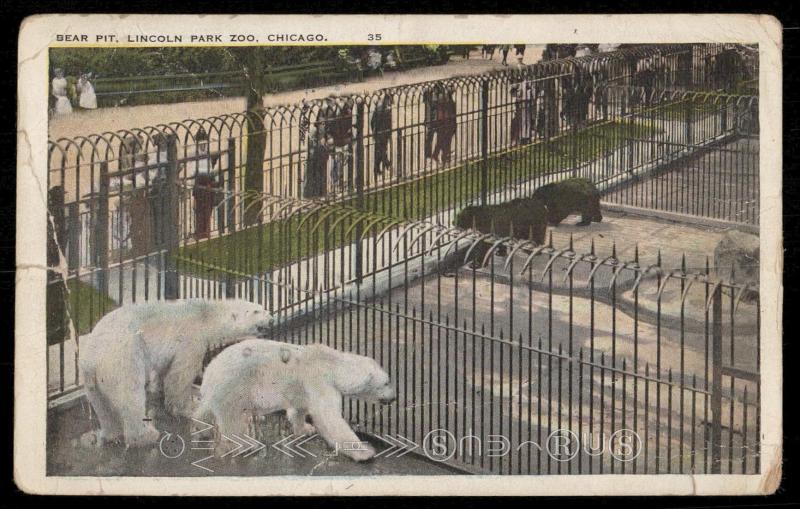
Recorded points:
(247, 317)
(356, 375)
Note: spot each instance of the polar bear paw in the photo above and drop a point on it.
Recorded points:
(299, 425)
(306, 429)
(98, 438)
(148, 437)
(364, 452)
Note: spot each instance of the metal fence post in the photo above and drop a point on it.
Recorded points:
(230, 192)
(689, 119)
(685, 68)
(230, 210)
(484, 141)
(631, 155)
(359, 162)
(574, 144)
(716, 382)
(723, 118)
(74, 234)
(101, 230)
(56, 296)
(170, 219)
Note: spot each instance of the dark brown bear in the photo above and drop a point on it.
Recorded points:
(528, 215)
(570, 196)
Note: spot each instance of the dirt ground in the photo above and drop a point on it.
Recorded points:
(179, 455)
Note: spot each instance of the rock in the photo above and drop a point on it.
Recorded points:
(737, 251)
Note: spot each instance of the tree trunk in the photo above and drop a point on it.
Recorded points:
(255, 82)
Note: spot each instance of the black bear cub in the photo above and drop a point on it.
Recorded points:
(568, 196)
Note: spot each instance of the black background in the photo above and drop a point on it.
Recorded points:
(13, 12)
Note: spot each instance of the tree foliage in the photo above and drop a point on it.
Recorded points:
(117, 62)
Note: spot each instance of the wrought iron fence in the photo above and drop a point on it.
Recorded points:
(425, 149)
(529, 342)
(501, 360)
(174, 211)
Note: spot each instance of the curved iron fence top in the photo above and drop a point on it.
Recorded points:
(282, 115)
(449, 237)
(107, 145)
(694, 95)
(561, 66)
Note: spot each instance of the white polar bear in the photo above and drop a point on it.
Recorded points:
(258, 376)
(140, 348)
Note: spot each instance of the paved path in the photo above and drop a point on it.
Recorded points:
(112, 119)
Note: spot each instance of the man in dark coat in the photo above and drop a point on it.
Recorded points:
(339, 127)
(206, 190)
(447, 124)
(430, 100)
(318, 154)
(381, 125)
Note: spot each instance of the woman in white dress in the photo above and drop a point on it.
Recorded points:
(62, 106)
(88, 99)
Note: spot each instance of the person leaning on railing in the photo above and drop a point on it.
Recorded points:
(133, 226)
(339, 126)
(440, 122)
(206, 190)
(447, 128)
(381, 125)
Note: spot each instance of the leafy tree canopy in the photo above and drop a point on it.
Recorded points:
(118, 62)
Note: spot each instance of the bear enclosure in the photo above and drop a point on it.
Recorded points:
(509, 357)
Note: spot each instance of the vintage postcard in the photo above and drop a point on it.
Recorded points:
(399, 255)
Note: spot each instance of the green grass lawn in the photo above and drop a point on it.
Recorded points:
(86, 304)
(258, 249)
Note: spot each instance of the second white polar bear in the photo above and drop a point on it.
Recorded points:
(260, 377)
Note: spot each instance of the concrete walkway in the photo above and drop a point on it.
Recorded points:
(126, 117)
